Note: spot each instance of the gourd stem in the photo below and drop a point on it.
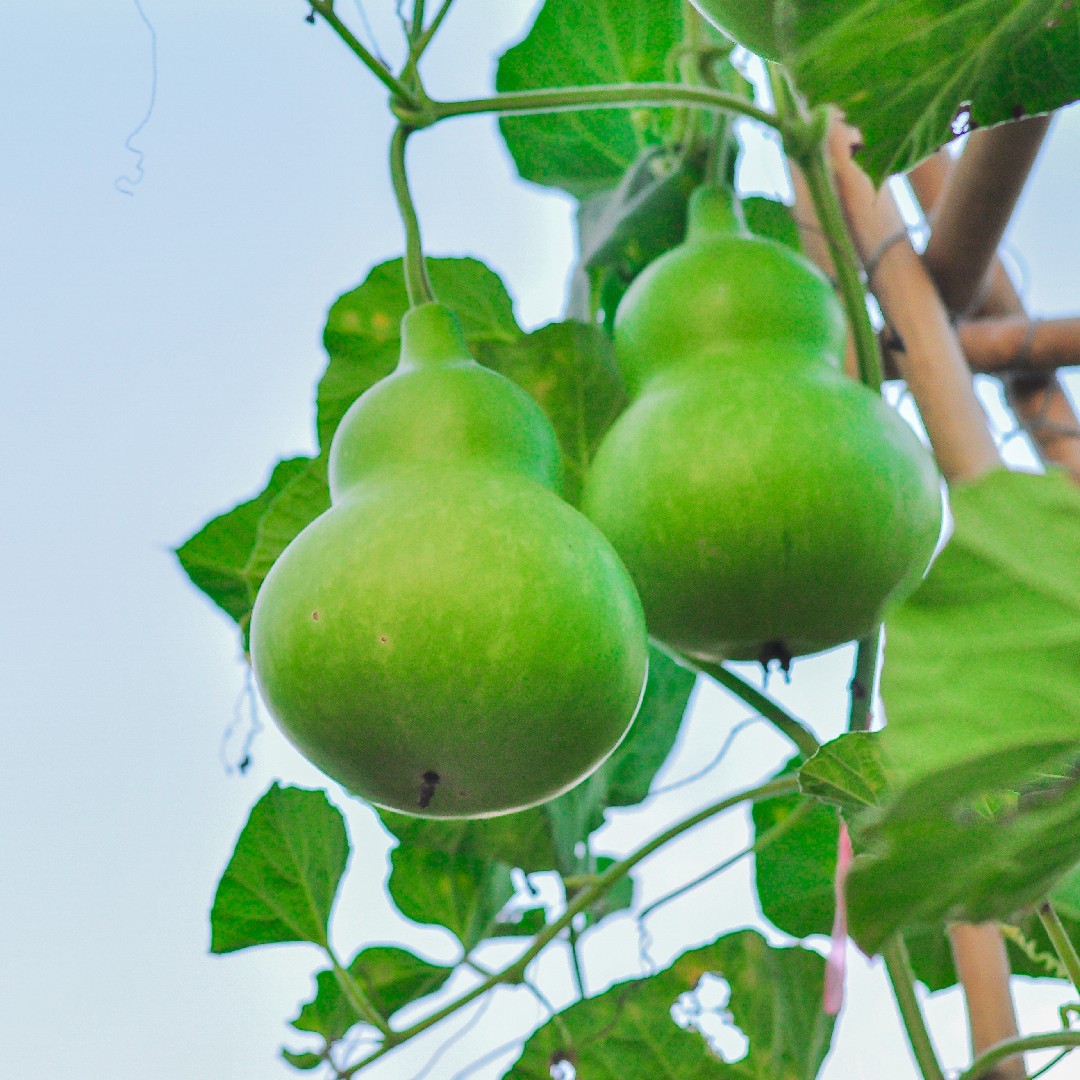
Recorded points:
(803, 738)
(845, 260)
(417, 282)
(863, 681)
(898, 965)
(1059, 938)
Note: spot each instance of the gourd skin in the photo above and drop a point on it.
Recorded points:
(766, 505)
(450, 639)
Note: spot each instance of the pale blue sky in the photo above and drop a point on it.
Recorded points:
(160, 352)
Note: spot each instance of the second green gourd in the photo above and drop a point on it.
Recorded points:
(766, 505)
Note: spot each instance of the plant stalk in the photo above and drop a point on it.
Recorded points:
(570, 98)
(898, 965)
(846, 262)
(803, 738)
(1063, 946)
(325, 9)
(357, 997)
(417, 282)
(863, 681)
(781, 785)
(987, 1061)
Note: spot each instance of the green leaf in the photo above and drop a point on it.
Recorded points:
(569, 368)
(390, 977)
(453, 890)
(302, 1061)
(363, 328)
(438, 860)
(934, 67)
(988, 649)
(847, 772)
(1066, 897)
(296, 505)
(284, 873)
(981, 680)
(215, 558)
(579, 43)
(772, 219)
(794, 872)
(628, 1031)
(527, 923)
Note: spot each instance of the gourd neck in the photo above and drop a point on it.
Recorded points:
(714, 211)
(431, 336)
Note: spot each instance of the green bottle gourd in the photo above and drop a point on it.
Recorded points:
(766, 505)
(451, 638)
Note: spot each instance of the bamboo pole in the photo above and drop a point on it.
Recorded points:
(974, 208)
(970, 203)
(1008, 345)
(937, 373)
(932, 362)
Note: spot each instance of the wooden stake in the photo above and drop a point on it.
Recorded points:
(932, 362)
(1004, 343)
(970, 202)
(983, 967)
(937, 373)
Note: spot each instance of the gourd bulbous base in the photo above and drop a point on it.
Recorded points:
(764, 515)
(451, 642)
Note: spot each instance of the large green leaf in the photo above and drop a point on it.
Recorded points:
(433, 854)
(570, 370)
(628, 1031)
(912, 74)
(216, 557)
(983, 662)
(390, 978)
(284, 873)
(794, 872)
(850, 774)
(579, 43)
(450, 889)
(981, 683)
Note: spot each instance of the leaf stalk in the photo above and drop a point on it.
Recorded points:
(1063, 946)
(985, 1062)
(325, 9)
(898, 965)
(803, 738)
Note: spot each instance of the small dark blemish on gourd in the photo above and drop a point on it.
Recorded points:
(778, 651)
(428, 783)
(315, 616)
